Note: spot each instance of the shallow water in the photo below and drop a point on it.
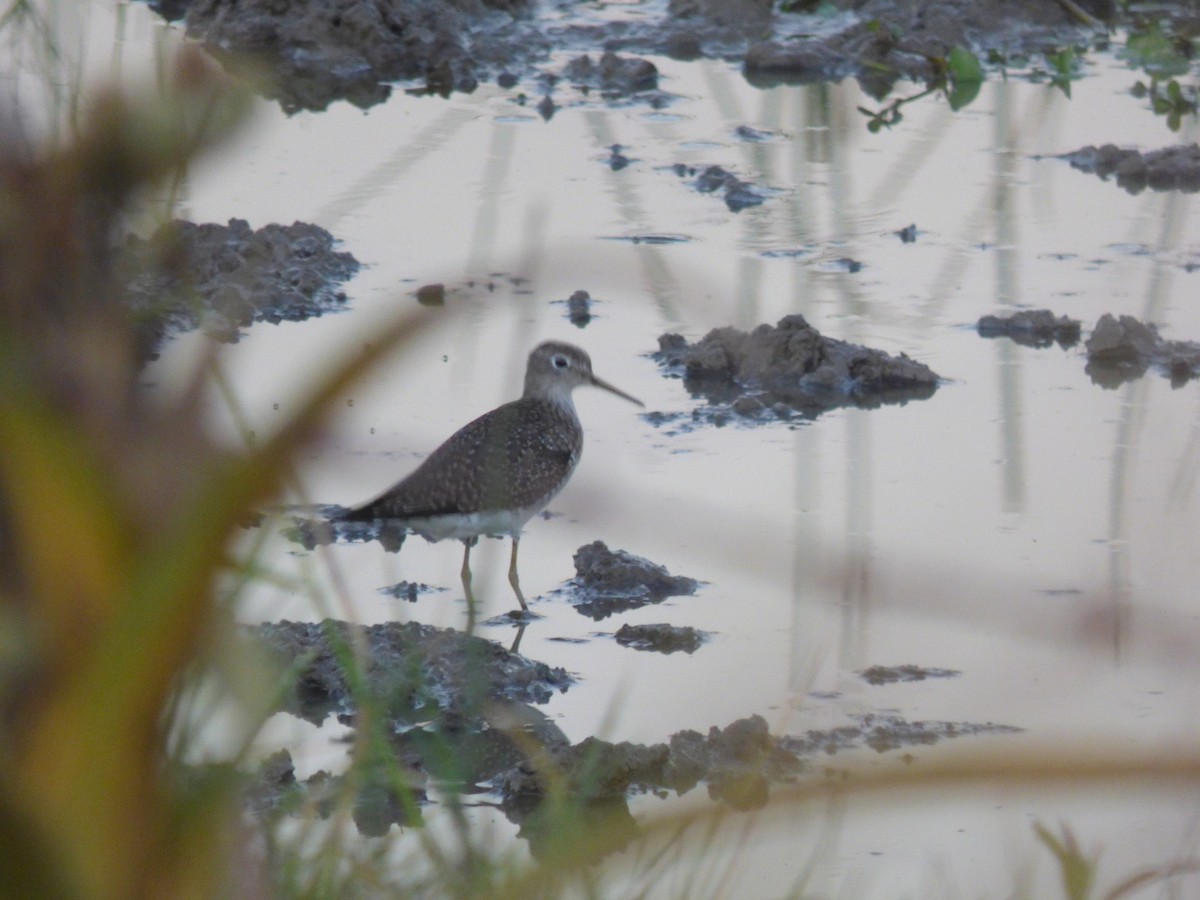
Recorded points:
(1024, 526)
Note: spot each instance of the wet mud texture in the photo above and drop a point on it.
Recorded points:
(521, 759)
(1122, 349)
(415, 672)
(328, 50)
(458, 710)
(785, 371)
(661, 638)
(227, 277)
(1169, 169)
(612, 581)
(1032, 328)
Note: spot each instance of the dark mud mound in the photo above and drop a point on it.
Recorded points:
(661, 638)
(612, 581)
(736, 193)
(227, 277)
(613, 75)
(1169, 169)
(323, 51)
(415, 672)
(791, 369)
(1122, 349)
(1032, 328)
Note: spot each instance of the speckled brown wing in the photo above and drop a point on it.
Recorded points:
(515, 457)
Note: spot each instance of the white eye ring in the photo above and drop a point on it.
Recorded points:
(559, 361)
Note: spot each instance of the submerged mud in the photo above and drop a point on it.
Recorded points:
(224, 278)
(785, 371)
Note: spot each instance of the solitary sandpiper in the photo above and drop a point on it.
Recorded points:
(496, 473)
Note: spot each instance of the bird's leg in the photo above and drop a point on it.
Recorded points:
(466, 580)
(516, 644)
(515, 579)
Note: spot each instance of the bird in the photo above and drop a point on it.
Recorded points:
(497, 472)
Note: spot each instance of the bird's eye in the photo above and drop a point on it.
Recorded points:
(559, 362)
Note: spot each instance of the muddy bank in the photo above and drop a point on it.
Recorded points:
(457, 711)
(316, 53)
(607, 582)
(416, 672)
(319, 52)
(1169, 169)
(224, 278)
(522, 760)
(788, 370)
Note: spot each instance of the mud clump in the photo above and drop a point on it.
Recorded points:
(347, 49)
(738, 194)
(612, 581)
(1032, 328)
(227, 277)
(614, 76)
(1122, 349)
(661, 638)
(579, 308)
(416, 672)
(878, 675)
(1169, 169)
(775, 372)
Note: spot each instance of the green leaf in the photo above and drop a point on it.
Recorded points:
(1156, 52)
(964, 66)
(962, 92)
(966, 77)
